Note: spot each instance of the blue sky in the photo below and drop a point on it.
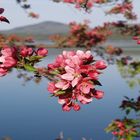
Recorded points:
(50, 11)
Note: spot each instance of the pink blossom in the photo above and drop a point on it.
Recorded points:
(76, 107)
(26, 51)
(75, 27)
(71, 75)
(93, 74)
(7, 51)
(99, 94)
(69, 1)
(62, 85)
(42, 52)
(66, 107)
(115, 133)
(100, 64)
(119, 124)
(138, 41)
(121, 132)
(3, 71)
(61, 101)
(84, 99)
(85, 85)
(7, 60)
(86, 57)
(68, 54)
(135, 37)
(79, 1)
(73, 62)
(76, 77)
(51, 66)
(52, 88)
(90, 4)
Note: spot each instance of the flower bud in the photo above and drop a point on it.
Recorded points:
(100, 64)
(138, 41)
(42, 52)
(26, 51)
(65, 107)
(135, 38)
(76, 107)
(99, 94)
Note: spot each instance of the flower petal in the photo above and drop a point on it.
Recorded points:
(75, 81)
(67, 76)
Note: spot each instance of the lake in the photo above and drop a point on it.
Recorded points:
(29, 113)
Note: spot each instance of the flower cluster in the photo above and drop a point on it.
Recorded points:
(7, 59)
(75, 75)
(113, 50)
(20, 57)
(124, 129)
(137, 38)
(125, 9)
(13, 38)
(86, 4)
(28, 57)
(29, 39)
(84, 36)
(81, 35)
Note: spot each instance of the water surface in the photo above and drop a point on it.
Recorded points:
(29, 113)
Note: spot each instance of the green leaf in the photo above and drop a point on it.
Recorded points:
(54, 72)
(129, 137)
(97, 83)
(52, 95)
(110, 128)
(29, 68)
(126, 97)
(128, 111)
(134, 134)
(60, 92)
(34, 58)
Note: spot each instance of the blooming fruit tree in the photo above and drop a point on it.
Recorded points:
(74, 75)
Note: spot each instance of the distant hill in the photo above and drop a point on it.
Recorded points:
(40, 31)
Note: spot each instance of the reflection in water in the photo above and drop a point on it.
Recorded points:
(130, 70)
(27, 77)
(6, 138)
(60, 137)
